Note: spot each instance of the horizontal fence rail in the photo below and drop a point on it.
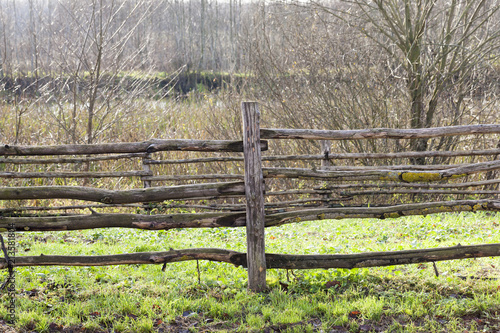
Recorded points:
(215, 220)
(65, 174)
(377, 133)
(381, 174)
(150, 146)
(276, 261)
(414, 185)
(330, 156)
(124, 196)
(15, 160)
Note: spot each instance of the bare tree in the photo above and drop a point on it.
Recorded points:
(361, 63)
(442, 47)
(93, 60)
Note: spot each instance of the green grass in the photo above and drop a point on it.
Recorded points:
(139, 298)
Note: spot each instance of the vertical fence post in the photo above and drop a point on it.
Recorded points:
(325, 150)
(147, 183)
(254, 191)
(146, 167)
(326, 146)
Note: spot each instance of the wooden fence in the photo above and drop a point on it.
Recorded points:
(236, 184)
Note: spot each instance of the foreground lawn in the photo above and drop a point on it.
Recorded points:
(209, 297)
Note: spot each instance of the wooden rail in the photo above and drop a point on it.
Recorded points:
(276, 261)
(152, 194)
(377, 133)
(216, 220)
(150, 146)
(408, 176)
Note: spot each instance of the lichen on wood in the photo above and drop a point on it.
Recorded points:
(414, 177)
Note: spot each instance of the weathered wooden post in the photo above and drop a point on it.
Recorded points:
(147, 183)
(325, 150)
(147, 168)
(326, 146)
(254, 191)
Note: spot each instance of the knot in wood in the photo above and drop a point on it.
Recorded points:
(107, 200)
(151, 149)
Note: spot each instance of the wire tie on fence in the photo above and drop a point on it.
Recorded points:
(10, 264)
(435, 268)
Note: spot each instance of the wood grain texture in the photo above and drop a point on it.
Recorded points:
(377, 133)
(150, 146)
(125, 196)
(254, 191)
(137, 221)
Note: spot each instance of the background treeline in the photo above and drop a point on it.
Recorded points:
(87, 68)
(46, 36)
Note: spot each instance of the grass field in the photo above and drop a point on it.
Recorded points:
(213, 297)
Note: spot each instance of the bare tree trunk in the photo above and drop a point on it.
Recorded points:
(34, 36)
(202, 34)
